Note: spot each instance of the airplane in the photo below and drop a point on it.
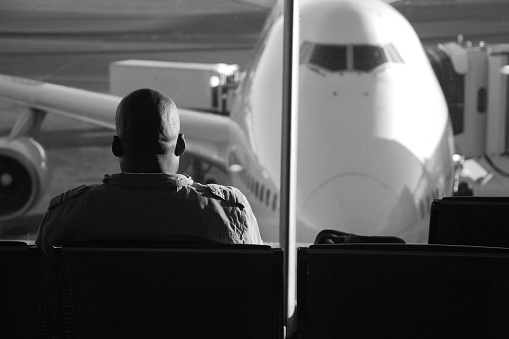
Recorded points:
(375, 142)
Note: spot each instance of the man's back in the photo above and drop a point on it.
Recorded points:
(159, 207)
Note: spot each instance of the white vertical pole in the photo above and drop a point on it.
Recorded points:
(290, 93)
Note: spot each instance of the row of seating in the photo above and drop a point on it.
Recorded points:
(23, 311)
(476, 221)
(149, 290)
(162, 290)
(349, 290)
(402, 291)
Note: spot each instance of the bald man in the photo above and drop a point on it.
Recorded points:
(148, 200)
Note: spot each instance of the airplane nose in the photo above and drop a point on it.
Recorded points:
(351, 202)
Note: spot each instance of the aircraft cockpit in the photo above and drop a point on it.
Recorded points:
(350, 57)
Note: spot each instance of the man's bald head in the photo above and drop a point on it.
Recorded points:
(147, 120)
(147, 124)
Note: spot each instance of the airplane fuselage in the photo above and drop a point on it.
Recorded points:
(374, 140)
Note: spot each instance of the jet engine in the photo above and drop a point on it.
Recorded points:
(24, 175)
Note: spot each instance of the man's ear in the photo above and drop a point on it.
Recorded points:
(180, 147)
(116, 147)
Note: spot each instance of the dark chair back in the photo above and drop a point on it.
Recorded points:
(179, 291)
(23, 311)
(402, 291)
(475, 221)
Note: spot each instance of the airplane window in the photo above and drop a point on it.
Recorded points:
(262, 189)
(422, 208)
(335, 57)
(274, 202)
(329, 57)
(482, 97)
(367, 57)
(267, 197)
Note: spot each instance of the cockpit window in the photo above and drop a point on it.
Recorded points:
(393, 54)
(330, 57)
(366, 57)
(334, 58)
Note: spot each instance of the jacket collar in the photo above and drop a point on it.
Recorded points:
(148, 179)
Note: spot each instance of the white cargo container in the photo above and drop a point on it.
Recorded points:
(191, 85)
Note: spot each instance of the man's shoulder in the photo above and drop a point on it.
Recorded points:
(69, 195)
(228, 194)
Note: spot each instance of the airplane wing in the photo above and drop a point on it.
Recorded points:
(208, 136)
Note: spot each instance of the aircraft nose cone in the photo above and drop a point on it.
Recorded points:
(350, 202)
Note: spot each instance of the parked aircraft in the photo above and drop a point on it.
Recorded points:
(375, 143)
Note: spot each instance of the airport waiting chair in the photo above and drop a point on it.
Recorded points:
(23, 311)
(171, 290)
(402, 291)
(475, 221)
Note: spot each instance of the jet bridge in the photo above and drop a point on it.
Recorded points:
(476, 89)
